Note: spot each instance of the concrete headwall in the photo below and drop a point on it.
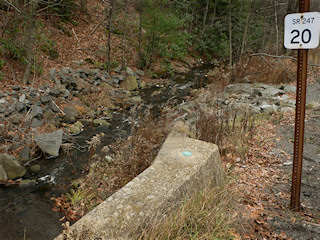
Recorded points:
(183, 166)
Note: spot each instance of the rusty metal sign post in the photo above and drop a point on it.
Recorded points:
(301, 32)
(299, 120)
(304, 6)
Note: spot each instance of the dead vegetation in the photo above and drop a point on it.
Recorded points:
(118, 165)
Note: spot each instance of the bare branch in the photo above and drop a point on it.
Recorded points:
(282, 57)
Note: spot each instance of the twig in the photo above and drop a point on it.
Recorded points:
(76, 37)
(95, 28)
(19, 129)
(58, 107)
(13, 6)
(32, 160)
(39, 90)
(282, 57)
(269, 55)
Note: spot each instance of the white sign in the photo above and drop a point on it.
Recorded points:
(302, 30)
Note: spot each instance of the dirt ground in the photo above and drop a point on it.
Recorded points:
(305, 224)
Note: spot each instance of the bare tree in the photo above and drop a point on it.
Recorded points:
(276, 25)
(230, 33)
(112, 2)
(124, 37)
(246, 28)
(205, 18)
(30, 34)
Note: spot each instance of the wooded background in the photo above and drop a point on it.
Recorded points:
(157, 30)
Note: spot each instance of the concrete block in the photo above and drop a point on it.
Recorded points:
(182, 167)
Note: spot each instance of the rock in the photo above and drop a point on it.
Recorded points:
(27, 183)
(70, 114)
(66, 93)
(283, 97)
(45, 99)
(106, 85)
(118, 78)
(287, 109)
(130, 83)
(50, 143)
(36, 123)
(106, 75)
(3, 108)
(78, 124)
(3, 174)
(36, 111)
(142, 84)
(272, 92)
(15, 118)
(61, 88)
(53, 73)
(12, 168)
(85, 121)
(35, 168)
(53, 107)
(290, 89)
(22, 98)
(136, 99)
(101, 122)
(24, 155)
(66, 70)
(54, 92)
(140, 73)
(74, 130)
(118, 69)
(10, 109)
(268, 108)
(16, 87)
(81, 84)
(49, 115)
(3, 101)
(20, 106)
(129, 71)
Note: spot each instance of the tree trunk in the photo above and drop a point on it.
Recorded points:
(30, 39)
(230, 35)
(123, 43)
(276, 25)
(140, 33)
(109, 35)
(205, 18)
(245, 29)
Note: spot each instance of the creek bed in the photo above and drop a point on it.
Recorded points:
(26, 213)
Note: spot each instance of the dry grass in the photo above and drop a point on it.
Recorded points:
(230, 129)
(209, 214)
(258, 68)
(148, 135)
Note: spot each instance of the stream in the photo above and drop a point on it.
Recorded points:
(26, 212)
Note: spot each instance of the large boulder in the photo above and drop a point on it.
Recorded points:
(11, 167)
(50, 143)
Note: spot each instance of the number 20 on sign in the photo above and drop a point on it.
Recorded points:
(302, 30)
